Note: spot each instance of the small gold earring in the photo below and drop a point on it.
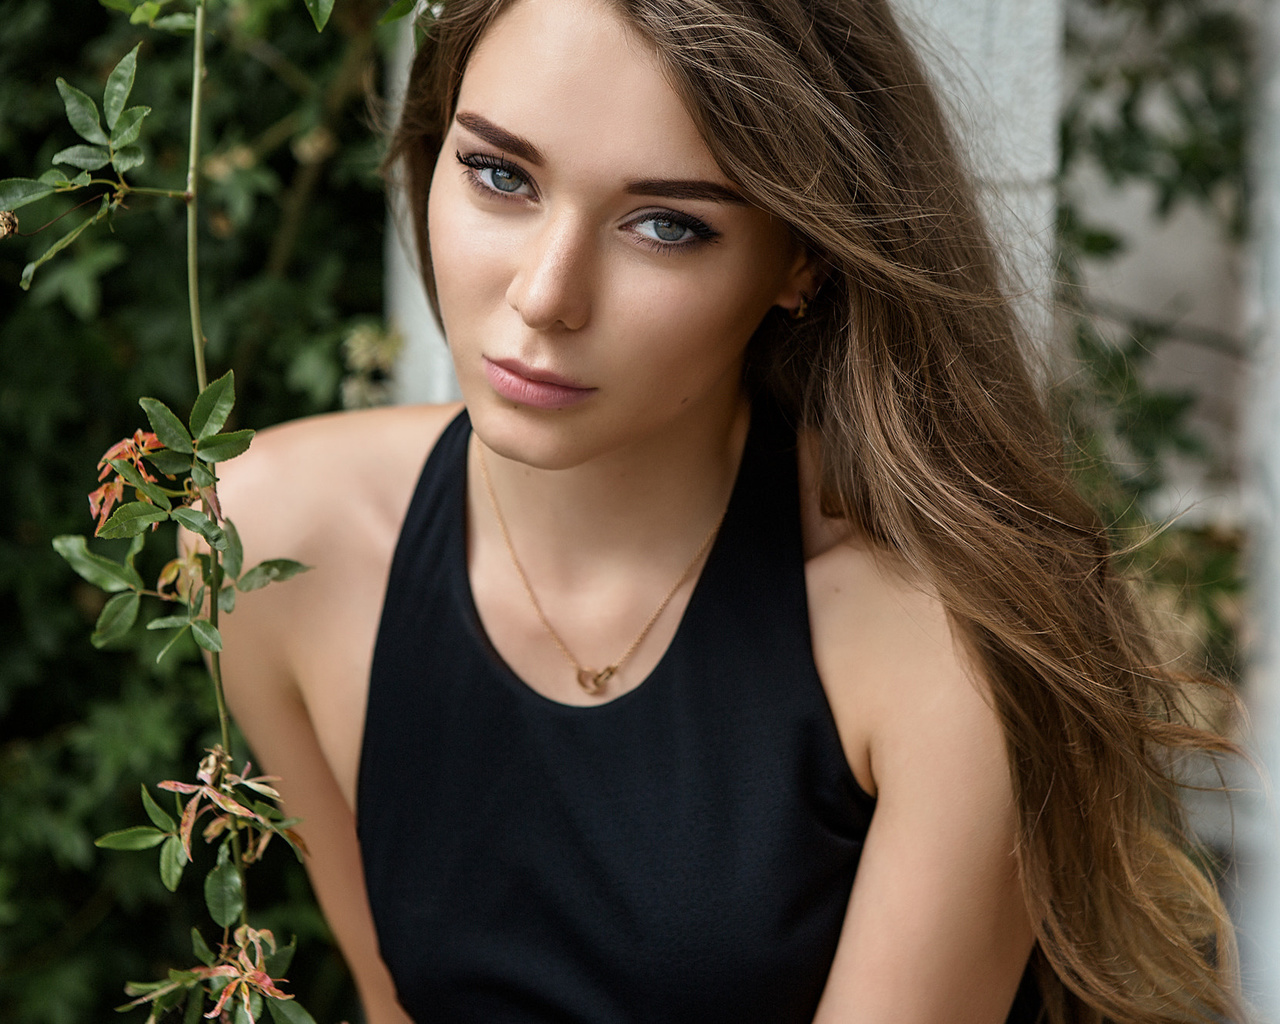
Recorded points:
(802, 309)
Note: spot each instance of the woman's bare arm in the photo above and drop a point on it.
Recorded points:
(936, 928)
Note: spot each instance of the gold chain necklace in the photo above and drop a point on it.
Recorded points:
(592, 681)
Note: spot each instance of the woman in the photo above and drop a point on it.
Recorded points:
(752, 564)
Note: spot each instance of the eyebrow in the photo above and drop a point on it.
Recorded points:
(667, 188)
(504, 140)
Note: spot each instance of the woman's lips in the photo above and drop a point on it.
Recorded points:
(522, 384)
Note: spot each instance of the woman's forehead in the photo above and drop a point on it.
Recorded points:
(574, 79)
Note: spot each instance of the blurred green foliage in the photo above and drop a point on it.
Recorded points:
(1159, 103)
(292, 219)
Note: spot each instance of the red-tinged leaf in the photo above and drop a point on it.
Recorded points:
(141, 837)
(259, 787)
(216, 827)
(232, 806)
(189, 814)
(179, 787)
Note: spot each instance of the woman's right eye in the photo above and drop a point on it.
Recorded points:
(493, 174)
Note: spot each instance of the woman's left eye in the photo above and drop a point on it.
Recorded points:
(671, 230)
(492, 174)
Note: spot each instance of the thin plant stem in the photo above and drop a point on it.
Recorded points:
(192, 197)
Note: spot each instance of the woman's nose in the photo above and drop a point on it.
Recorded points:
(551, 286)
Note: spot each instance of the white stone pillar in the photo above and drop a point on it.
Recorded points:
(999, 65)
(424, 372)
(1258, 833)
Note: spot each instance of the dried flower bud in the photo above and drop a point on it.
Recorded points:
(8, 223)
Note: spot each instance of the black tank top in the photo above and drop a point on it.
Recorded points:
(683, 853)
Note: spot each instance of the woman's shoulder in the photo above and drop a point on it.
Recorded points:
(305, 482)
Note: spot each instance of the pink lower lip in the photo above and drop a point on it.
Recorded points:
(540, 394)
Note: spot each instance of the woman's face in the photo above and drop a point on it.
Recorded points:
(598, 276)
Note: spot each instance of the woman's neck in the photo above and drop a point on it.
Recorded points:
(647, 504)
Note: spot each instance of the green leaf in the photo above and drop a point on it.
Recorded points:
(158, 818)
(145, 13)
(233, 557)
(201, 475)
(117, 618)
(129, 127)
(398, 10)
(140, 837)
(195, 1007)
(131, 519)
(29, 270)
(277, 964)
(223, 893)
(178, 24)
(270, 571)
(169, 463)
(201, 948)
(125, 6)
(15, 193)
(168, 428)
(101, 572)
(87, 158)
(320, 11)
(213, 406)
(207, 635)
(134, 479)
(197, 522)
(289, 1011)
(169, 622)
(222, 447)
(227, 599)
(169, 646)
(82, 113)
(173, 858)
(119, 85)
(128, 158)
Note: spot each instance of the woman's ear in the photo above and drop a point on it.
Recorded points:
(804, 278)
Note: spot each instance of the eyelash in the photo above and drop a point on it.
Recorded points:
(702, 232)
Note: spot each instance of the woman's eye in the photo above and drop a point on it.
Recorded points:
(501, 179)
(672, 231)
(663, 229)
(493, 174)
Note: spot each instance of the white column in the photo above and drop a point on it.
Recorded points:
(1258, 833)
(424, 372)
(998, 64)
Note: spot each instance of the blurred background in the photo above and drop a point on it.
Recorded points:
(1130, 154)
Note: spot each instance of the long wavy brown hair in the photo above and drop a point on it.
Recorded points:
(937, 445)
